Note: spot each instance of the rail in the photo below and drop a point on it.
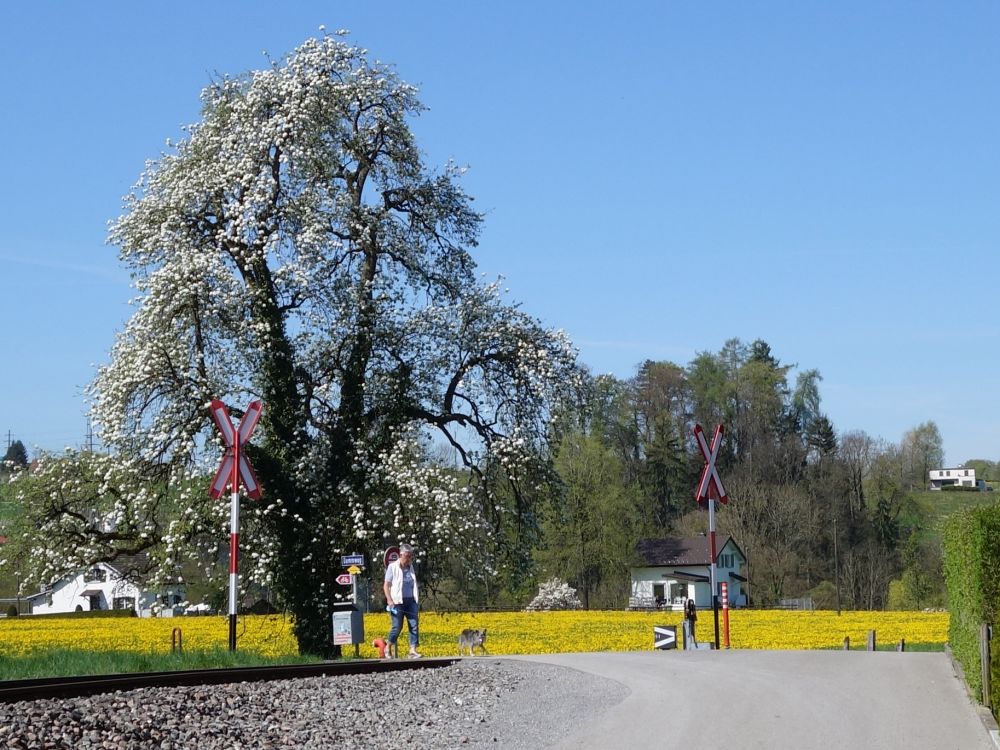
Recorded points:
(75, 687)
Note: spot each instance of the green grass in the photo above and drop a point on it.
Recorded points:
(935, 507)
(68, 663)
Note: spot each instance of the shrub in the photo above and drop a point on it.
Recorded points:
(11, 611)
(555, 594)
(972, 572)
(958, 488)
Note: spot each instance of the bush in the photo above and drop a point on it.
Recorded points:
(972, 572)
(824, 595)
(958, 488)
(555, 594)
(12, 611)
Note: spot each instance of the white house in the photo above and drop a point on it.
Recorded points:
(960, 476)
(108, 586)
(671, 571)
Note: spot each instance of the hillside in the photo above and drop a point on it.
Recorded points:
(932, 508)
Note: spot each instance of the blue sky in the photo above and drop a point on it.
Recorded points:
(657, 178)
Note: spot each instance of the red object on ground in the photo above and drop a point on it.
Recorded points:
(381, 645)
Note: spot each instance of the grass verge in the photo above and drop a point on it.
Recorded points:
(68, 662)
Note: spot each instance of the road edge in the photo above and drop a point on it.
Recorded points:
(985, 715)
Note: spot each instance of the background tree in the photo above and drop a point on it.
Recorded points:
(294, 247)
(985, 469)
(16, 455)
(590, 530)
(922, 450)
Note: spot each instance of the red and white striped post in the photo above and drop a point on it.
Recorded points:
(234, 466)
(725, 614)
(710, 489)
(234, 545)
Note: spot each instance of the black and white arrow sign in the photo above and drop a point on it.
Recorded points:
(664, 637)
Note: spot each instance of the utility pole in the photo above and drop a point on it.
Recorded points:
(836, 563)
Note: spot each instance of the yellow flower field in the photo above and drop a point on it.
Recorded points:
(509, 632)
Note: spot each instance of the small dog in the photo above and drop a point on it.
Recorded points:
(469, 639)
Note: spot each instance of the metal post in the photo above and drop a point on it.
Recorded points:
(711, 546)
(984, 662)
(836, 564)
(234, 544)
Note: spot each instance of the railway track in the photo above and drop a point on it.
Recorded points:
(74, 687)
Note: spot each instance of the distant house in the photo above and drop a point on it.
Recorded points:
(109, 586)
(959, 476)
(670, 571)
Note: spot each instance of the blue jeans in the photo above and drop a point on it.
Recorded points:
(408, 609)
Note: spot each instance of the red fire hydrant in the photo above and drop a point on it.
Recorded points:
(381, 646)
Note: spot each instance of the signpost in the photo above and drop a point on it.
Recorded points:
(710, 489)
(348, 560)
(345, 579)
(664, 637)
(391, 555)
(235, 466)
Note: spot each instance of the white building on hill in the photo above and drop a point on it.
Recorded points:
(961, 476)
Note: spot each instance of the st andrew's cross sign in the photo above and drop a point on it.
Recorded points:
(235, 466)
(235, 439)
(710, 484)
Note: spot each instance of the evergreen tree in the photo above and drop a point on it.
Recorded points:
(16, 455)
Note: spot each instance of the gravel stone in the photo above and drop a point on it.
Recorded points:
(476, 703)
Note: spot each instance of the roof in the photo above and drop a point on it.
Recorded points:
(689, 550)
(131, 566)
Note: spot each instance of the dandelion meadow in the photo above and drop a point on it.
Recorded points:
(508, 632)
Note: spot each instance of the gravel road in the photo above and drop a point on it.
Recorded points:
(476, 703)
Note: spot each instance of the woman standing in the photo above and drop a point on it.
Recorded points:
(402, 598)
(690, 618)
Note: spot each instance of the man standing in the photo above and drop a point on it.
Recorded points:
(402, 597)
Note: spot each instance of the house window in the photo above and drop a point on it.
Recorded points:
(124, 602)
(948, 473)
(966, 472)
(658, 593)
(678, 591)
(98, 575)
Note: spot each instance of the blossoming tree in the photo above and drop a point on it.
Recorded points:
(294, 247)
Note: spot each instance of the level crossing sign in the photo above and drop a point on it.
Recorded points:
(235, 439)
(710, 484)
(234, 467)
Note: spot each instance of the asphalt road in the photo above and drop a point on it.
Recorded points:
(778, 699)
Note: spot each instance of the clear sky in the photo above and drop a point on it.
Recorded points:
(658, 177)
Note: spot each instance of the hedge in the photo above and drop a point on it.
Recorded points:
(971, 544)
